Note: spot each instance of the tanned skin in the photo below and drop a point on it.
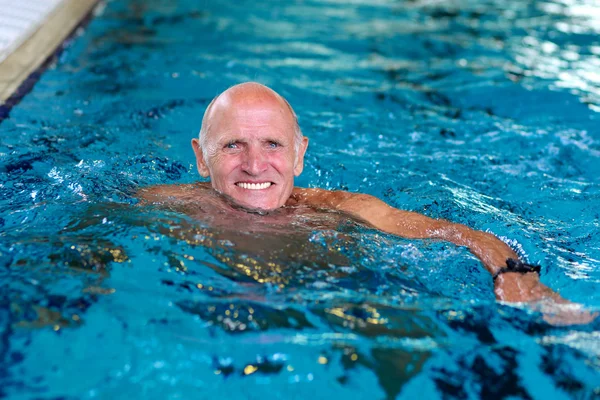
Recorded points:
(251, 148)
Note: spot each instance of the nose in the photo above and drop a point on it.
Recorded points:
(254, 162)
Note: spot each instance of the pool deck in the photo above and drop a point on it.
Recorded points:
(30, 33)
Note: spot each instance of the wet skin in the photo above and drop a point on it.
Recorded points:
(252, 156)
(249, 153)
(255, 247)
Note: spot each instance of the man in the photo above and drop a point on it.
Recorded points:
(251, 147)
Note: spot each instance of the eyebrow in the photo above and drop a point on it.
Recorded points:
(237, 138)
(226, 138)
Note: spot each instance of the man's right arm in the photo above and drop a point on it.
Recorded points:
(171, 193)
(154, 194)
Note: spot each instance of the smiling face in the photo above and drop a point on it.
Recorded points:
(249, 149)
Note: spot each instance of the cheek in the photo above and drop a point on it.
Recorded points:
(284, 163)
(220, 166)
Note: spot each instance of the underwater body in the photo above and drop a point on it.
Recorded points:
(483, 113)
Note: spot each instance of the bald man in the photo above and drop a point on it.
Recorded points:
(251, 148)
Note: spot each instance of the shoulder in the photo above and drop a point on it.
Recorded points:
(322, 198)
(166, 193)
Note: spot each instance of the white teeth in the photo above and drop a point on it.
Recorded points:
(253, 186)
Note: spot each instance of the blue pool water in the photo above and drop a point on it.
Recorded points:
(483, 113)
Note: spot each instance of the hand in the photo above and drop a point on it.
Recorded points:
(564, 312)
(516, 287)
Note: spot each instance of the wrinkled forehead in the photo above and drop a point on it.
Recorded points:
(231, 113)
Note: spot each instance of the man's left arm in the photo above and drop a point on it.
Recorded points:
(493, 253)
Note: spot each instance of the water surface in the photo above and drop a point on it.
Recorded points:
(484, 113)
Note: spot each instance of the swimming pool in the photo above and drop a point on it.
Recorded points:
(485, 114)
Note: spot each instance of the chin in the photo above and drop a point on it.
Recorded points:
(268, 199)
(265, 205)
(255, 201)
(263, 200)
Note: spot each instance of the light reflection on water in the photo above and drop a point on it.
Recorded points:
(483, 113)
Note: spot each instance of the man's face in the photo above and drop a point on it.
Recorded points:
(250, 152)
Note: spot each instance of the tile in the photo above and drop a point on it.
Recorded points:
(30, 32)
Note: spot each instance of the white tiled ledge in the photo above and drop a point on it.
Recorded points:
(30, 32)
(19, 19)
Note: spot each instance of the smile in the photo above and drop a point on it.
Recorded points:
(254, 186)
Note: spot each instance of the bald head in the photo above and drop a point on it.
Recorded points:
(250, 146)
(241, 95)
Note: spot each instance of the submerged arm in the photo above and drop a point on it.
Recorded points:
(175, 194)
(159, 194)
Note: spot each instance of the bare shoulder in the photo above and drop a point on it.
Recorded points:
(359, 204)
(167, 193)
(322, 198)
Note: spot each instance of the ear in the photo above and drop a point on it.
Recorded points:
(200, 162)
(299, 165)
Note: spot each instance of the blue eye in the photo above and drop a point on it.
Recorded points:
(273, 145)
(231, 145)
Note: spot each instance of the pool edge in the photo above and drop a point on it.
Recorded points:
(40, 46)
